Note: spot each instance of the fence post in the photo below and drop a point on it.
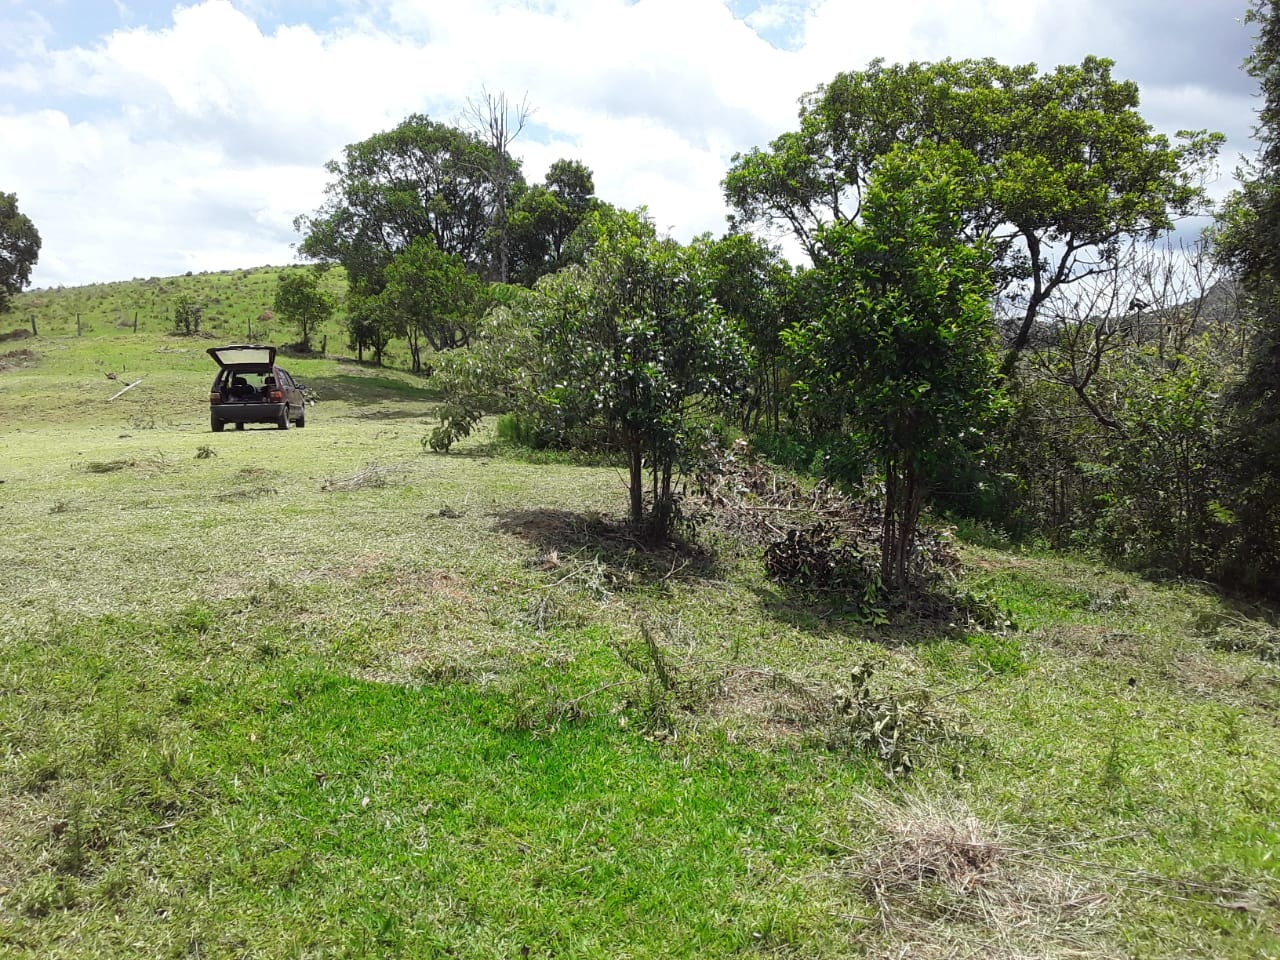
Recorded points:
(135, 321)
(33, 324)
(77, 324)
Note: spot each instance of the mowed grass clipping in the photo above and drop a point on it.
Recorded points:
(319, 693)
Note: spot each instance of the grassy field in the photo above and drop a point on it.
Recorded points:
(318, 693)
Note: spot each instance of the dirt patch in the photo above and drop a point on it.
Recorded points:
(406, 593)
(16, 360)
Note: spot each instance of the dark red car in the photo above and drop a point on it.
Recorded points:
(250, 388)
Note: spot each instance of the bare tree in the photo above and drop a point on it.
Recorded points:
(1153, 297)
(499, 123)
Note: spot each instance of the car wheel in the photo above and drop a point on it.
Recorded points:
(302, 419)
(215, 424)
(239, 426)
(283, 422)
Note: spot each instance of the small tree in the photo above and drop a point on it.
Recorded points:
(186, 316)
(19, 249)
(904, 350)
(367, 327)
(429, 296)
(630, 344)
(301, 302)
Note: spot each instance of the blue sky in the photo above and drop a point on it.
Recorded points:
(148, 138)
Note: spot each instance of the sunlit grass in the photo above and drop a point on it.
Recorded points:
(317, 692)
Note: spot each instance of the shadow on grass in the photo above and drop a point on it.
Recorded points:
(921, 616)
(630, 558)
(387, 413)
(367, 388)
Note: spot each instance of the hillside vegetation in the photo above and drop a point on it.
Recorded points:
(233, 302)
(322, 693)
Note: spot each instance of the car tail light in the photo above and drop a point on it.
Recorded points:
(215, 397)
(277, 396)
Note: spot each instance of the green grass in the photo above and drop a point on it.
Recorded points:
(431, 725)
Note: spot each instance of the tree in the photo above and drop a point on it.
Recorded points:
(187, 315)
(300, 301)
(1066, 163)
(756, 289)
(1113, 446)
(631, 342)
(495, 121)
(903, 351)
(421, 179)
(19, 249)
(546, 217)
(1247, 238)
(368, 328)
(431, 296)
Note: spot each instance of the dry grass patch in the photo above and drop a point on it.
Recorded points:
(761, 705)
(1190, 665)
(372, 476)
(946, 884)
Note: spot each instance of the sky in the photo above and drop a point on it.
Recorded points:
(147, 138)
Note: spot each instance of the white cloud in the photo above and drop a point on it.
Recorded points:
(193, 146)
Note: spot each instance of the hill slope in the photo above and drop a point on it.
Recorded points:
(233, 302)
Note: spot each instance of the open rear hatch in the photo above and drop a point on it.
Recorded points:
(244, 355)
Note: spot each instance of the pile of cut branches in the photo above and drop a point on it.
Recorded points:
(815, 535)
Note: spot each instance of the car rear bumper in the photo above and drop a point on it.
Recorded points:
(248, 412)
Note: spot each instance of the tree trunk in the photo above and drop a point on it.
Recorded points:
(888, 527)
(635, 461)
(909, 519)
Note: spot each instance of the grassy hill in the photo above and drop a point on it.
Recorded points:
(319, 693)
(233, 302)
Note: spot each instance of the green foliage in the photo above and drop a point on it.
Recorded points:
(545, 219)
(1248, 238)
(301, 301)
(903, 354)
(368, 327)
(1063, 164)
(625, 351)
(19, 249)
(186, 316)
(457, 420)
(421, 179)
(1143, 485)
(429, 297)
(756, 289)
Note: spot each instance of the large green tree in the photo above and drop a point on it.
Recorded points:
(546, 217)
(1248, 239)
(421, 179)
(1067, 166)
(903, 352)
(19, 249)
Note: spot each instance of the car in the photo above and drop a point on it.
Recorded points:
(250, 388)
